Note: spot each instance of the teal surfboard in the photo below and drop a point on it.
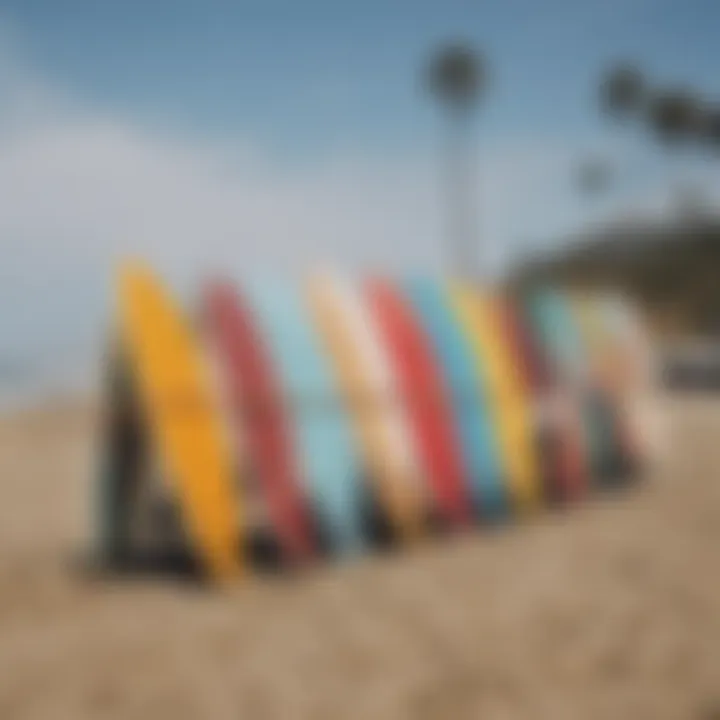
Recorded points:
(560, 331)
(330, 467)
(480, 449)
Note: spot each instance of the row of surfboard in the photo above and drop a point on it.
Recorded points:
(334, 414)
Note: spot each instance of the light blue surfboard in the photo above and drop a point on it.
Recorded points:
(480, 448)
(330, 468)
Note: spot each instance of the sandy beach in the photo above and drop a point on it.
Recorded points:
(611, 610)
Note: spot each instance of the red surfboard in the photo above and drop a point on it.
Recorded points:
(562, 453)
(425, 399)
(256, 402)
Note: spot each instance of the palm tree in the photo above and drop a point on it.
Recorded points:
(709, 132)
(710, 126)
(622, 91)
(456, 77)
(676, 116)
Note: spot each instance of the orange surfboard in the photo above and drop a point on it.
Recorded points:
(183, 416)
(355, 351)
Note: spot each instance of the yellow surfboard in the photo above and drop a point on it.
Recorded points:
(368, 395)
(509, 404)
(176, 394)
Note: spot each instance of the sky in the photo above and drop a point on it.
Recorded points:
(245, 137)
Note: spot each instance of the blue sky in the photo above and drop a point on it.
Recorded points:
(319, 73)
(253, 135)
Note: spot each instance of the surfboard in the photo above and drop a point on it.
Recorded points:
(425, 400)
(177, 398)
(332, 475)
(496, 369)
(633, 372)
(601, 417)
(365, 380)
(627, 371)
(558, 438)
(528, 369)
(617, 431)
(632, 342)
(565, 346)
(551, 328)
(478, 438)
(258, 412)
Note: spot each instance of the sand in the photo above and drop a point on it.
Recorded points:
(611, 610)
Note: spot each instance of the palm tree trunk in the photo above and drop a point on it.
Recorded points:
(460, 190)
